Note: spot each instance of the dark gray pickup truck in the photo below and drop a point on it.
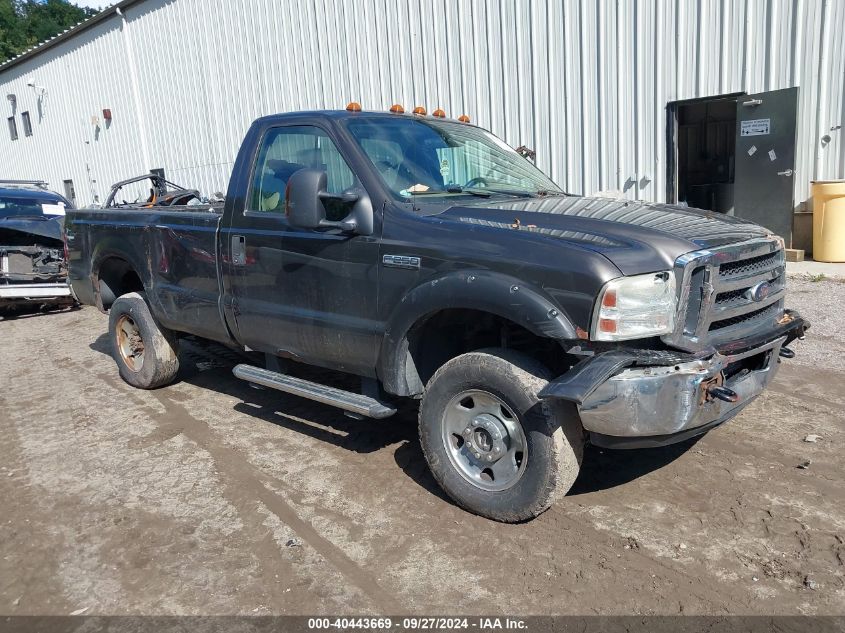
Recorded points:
(430, 259)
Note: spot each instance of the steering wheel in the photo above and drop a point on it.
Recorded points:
(475, 182)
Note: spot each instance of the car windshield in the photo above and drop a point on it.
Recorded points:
(416, 157)
(11, 206)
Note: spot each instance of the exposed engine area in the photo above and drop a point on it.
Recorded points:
(27, 260)
(31, 264)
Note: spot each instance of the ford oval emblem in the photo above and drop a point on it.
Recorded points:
(760, 291)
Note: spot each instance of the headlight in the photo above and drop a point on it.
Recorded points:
(636, 307)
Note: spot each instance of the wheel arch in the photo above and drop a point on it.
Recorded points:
(114, 274)
(499, 299)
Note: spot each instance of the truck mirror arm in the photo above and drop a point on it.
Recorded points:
(347, 225)
(359, 220)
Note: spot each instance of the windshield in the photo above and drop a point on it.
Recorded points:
(11, 206)
(445, 158)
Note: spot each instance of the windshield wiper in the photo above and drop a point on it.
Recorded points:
(482, 193)
(517, 193)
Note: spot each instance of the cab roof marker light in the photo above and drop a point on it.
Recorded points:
(463, 118)
(419, 110)
(439, 113)
(397, 109)
(353, 106)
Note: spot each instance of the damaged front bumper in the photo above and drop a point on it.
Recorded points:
(640, 398)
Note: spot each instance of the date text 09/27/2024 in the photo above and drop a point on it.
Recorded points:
(418, 623)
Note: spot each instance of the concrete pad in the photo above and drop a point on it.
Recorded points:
(812, 269)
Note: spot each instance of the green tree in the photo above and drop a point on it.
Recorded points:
(25, 23)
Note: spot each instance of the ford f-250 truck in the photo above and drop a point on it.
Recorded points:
(430, 259)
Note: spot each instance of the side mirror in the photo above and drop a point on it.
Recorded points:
(304, 196)
(303, 202)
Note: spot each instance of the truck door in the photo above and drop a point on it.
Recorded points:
(302, 293)
(765, 159)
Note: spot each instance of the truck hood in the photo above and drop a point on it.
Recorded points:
(638, 237)
(49, 228)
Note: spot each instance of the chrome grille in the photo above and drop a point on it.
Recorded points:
(758, 264)
(740, 295)
(717, 303)
(766, 312)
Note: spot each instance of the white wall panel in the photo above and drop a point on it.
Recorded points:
(584, 83)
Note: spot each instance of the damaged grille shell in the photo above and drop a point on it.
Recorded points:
(716, 301)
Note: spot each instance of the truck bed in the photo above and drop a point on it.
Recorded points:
(176, 246)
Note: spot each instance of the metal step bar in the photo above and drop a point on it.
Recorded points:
(346, 400)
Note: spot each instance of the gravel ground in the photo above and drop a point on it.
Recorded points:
(823, 302)
(208, 496)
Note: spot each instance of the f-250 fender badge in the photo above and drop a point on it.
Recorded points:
(410, 262)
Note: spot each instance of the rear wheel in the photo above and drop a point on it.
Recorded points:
(490, 443)
(146, 354)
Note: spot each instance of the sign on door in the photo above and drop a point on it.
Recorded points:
(755, 127)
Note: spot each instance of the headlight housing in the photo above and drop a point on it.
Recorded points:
(636, 307)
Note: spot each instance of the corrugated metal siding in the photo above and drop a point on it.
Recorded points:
(584, 83)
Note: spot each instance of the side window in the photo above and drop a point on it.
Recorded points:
(286, 150)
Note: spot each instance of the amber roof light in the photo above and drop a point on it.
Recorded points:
(463, 118)
(397, 109)
(420, 110)
(353, 106)
(440, 114)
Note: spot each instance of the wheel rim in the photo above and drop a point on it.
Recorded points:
(130, 344)
(484, 440)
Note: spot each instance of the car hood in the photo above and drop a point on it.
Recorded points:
(50, 228)
(637, 237)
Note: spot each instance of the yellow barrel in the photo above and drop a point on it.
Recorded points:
(829, 220)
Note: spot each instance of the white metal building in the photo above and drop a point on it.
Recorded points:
(591, 86)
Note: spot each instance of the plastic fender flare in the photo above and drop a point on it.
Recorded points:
(482, 290)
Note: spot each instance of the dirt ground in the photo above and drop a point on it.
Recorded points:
(210, 497)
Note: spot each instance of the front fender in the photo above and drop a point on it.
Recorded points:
(486, 291)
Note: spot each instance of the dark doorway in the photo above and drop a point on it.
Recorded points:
(703, 153)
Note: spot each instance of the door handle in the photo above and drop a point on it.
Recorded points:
(238, 250)
(787, 173)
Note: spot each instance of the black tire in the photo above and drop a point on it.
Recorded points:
(158, 362)
(553, 435)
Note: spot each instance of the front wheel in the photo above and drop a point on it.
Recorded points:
(490, 443)
(146, 354)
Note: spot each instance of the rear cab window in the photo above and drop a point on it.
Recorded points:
(286, 150)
